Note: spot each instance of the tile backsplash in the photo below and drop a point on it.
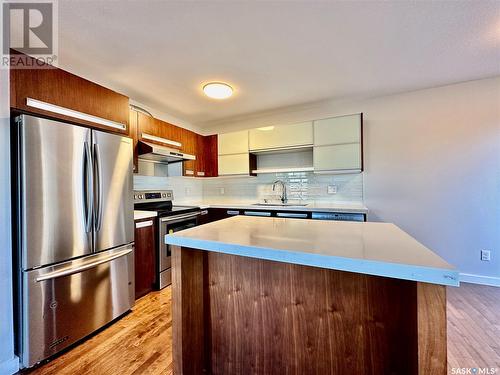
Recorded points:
(300, 186)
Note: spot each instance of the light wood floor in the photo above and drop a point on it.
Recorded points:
(474, 326)
(137, 344)
(140, 343)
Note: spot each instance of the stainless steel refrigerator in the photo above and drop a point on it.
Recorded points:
(74, 226)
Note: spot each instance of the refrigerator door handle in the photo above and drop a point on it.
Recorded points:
(98, 177)
(88, 198)
(72, 270)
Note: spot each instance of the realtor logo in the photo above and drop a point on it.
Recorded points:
(29, 27)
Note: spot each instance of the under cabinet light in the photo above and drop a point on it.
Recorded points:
(159, 139)
(338, 171)
(72, 113)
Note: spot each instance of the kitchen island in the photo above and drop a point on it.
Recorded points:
(273, 295)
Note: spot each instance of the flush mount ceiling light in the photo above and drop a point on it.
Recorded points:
(218, 90)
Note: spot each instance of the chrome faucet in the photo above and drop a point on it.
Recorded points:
(284, 198)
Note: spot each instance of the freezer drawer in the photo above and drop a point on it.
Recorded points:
(64, 303)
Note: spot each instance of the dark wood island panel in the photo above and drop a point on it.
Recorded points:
(240, 315)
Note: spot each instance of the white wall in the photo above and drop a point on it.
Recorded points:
(8, 362)
(432, 161)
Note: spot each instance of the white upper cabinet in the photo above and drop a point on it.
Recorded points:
(234, 158)
(234, 164)
(338, 158)
(337, 130)
(338, 144)
(276, 137)
(233, 143)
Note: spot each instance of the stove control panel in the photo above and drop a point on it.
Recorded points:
(143, 196)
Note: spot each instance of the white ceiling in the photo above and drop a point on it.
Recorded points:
(275, 54)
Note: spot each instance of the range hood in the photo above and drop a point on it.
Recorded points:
(151, 151)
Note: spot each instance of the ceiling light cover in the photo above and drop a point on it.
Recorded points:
(218, 90)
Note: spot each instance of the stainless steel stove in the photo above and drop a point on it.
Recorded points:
(170, 219)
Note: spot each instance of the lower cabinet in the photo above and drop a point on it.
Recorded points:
(145, 260)
(214, 214)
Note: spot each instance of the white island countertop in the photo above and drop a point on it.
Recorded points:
(380, 249)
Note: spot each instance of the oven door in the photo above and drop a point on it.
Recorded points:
(170, 225)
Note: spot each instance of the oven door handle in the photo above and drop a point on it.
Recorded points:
(178, 217)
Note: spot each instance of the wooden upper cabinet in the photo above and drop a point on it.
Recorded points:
(190, 146)
(233, 143)
(210, 155)
(172, 133)
(133, 124)
(276, 137)
(146, 124)
(56, 87)
(189, 141)
(163, 133)
(201, 157)
(172, 136)
(205, 164)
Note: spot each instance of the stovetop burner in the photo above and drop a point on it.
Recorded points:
(161, 202)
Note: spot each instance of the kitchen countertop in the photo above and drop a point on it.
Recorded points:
(347, 207)
(139, 215)
(380, 249)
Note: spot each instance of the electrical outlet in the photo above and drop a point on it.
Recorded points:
(485, 255)
(331, 189)
(222, 191)
(187, 191)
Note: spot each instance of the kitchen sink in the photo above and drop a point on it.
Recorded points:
(280, 204)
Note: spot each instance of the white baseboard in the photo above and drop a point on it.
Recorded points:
(478, 279)
(9, 367)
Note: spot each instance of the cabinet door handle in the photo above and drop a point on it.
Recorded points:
(291, 215)
(257, 213)
(231, 212)
(144, 224)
